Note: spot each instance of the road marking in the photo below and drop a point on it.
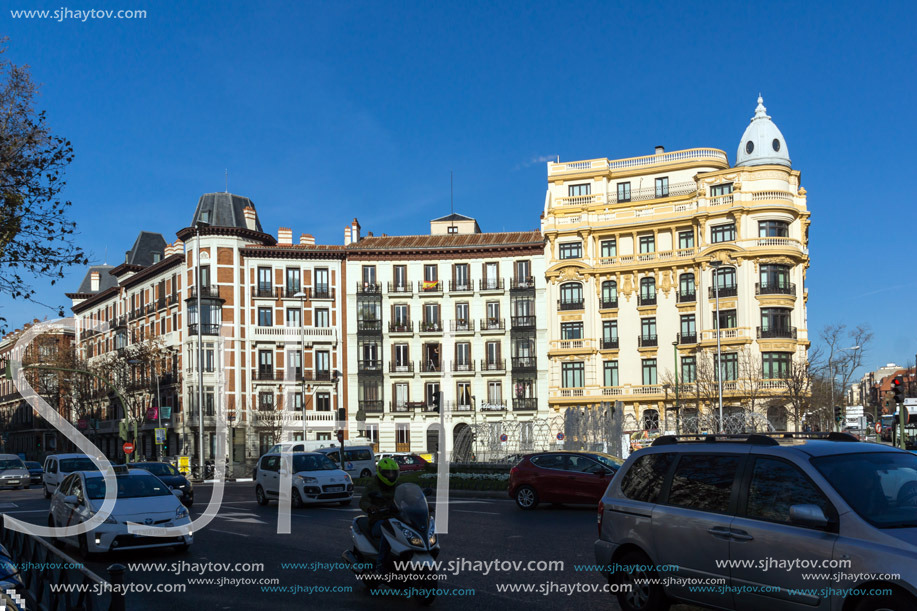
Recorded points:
(490, 513)
(228, 532)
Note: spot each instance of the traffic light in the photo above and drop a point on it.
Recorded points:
(898, 389)
(837, 413)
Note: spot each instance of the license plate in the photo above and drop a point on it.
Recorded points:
(334, 488)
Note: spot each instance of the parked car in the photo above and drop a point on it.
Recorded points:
(410, 462)
(561, 477)
(690, 504)
(35, 471)
(316, 479)
(142, 498)
(358, 460)
(171, 477)
(13, 472)
(59, 466)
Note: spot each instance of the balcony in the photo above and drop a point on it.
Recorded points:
(494, 366)
(463, 367)
(431, 327)
(609, 344)
(404, 407)
(369, 288)
(205, 330)
(777, 332)
(726, 334)
(775, 242)
(404, 326)
(430, 287)
(526, 283)
(491, 284)
(492, 324)
(573, 304)
(372, 407)
(775, 288)
(714, 156)
(406, 368)
(431, 367)
(322, 291)
(648, 193)
(522, 322)
(267, 292)
(369, 366)
(161, 303)
(306, 334)
(686, 297)
(724, 291)
(491, 408)
(529, 404)
(461, 286)
(647, 341)
(646, 300)
(462, 326)
(369, 327)
(269, 375)
(402, 288)
(524, 363)
(608, 304)
(573, 344)
(293, 292)
(685, 338)
(462, 408)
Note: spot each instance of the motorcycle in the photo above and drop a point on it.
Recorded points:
(408, 527)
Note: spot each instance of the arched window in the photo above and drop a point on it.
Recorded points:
(647, 291)
(650, 420)
(609, 294)
(571, 296)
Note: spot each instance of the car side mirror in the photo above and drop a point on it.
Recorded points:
(71, 500)
(808, 515)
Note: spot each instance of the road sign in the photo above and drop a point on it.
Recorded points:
(560, 437)
(152, 413)
(184, 465)
(128, 447)
(503, 437)
(341, 436)
(160, 436)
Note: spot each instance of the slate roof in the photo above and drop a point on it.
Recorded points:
(224, 210)
(141, 253)
(453, 217)
(106, 280)
(449, 241)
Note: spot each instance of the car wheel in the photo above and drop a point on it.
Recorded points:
(297, 499)
(366, 473)
(893, 602)
(47, 493)
(640, 595)
(526, 497)
(260, 497)
(347, 502)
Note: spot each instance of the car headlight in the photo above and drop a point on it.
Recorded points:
(306, 479)
(181, 512)
(432, 539)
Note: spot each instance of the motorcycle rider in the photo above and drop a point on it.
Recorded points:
(379, 496)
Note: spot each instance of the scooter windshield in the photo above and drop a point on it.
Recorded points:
(412, 507)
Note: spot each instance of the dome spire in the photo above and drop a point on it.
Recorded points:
(762, 143)
(760, 110)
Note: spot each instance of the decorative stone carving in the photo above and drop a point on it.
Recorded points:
(570, 274)
(627, 284)
(667, 282)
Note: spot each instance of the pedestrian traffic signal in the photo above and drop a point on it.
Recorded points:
(898, 389)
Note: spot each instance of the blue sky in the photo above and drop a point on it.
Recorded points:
(327, 111)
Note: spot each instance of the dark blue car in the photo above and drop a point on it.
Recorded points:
(171, 477)
(36, 473)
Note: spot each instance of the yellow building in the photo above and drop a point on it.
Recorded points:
(640, 250)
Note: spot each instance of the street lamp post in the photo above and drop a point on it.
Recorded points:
(677, 407)
(200, 353)
(302, 356)
(719, 356)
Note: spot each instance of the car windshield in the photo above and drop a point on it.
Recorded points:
(412, 507)
(312, 462)
(33, 465)
(880, 486)
(68, 465)
(608, 460)
(158, 468)
(11, 463)
(129, 487)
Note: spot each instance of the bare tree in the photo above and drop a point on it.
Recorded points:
(799, 382)
(844, 349)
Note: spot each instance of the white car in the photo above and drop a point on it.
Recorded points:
(316, 479)
(13, 472)
(142, 498)
(59, 466)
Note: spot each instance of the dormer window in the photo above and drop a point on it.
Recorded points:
(205, 216)
(157, 257)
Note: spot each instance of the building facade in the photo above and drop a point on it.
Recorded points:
(453, 322)
(652, 259)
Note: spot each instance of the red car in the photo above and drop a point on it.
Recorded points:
(562, 477)
(410, 462)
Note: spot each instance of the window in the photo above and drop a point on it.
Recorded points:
(648, 328)
(322, 402)
(495, 392)
(208, 360)
(717, 190)
(571, 330)
(775, 365)
(322, 288)
(723, 233)
(609, 334)
(647, 291)
(773, 229)
(775, 486)
(460, 277)
(609, 294)
(524, 273)
(265, 401)
(623, 192)
(205, 275)
(688, 328)
(401, 394)
(649, 372)
(662, 187)
(293, 318)
(430, 273)
(572, 374)
(400, 314)
(369, 276)
(322, 361)
(264, 279)
(461, 315)
(265, 317)
(647, 244)
(266, 361)
(775, 322)
(688, 369)
(571, 295)
(493, 314)
(321, 317)
(725, 278)
(775, 278)
(462, 356)
(452, 229)
(294, 363)
(703, 482)
(402, 357)
(431, 317)
(403, 434)
(685, 239)
(493, 355)
(686, 289)
(581, 189)
(643, 481)
(491, 276)
(400, 277)
(727, 320)
(730, 367)
(611, 373)
(463, 394)
(208, 400)
(608, 248)
(293, 285)
(571, 250)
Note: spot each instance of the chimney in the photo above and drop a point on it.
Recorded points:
(250, 217)
(355, 231)
(167, 251)
(347, 234)
(307, 240)
(660, 149)
(94, 281)
(284, 235)
(178, 247)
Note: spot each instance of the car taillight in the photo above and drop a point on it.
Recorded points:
(600, 516)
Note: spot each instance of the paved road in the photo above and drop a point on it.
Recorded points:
(479, 530)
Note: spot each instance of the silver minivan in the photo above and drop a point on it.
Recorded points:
(810, 521)
(13, 472)
(359, 461)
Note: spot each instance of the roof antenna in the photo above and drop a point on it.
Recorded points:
(451, 205)
(226, 190)
(106, 255)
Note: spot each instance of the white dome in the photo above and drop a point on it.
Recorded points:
(762, 143)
